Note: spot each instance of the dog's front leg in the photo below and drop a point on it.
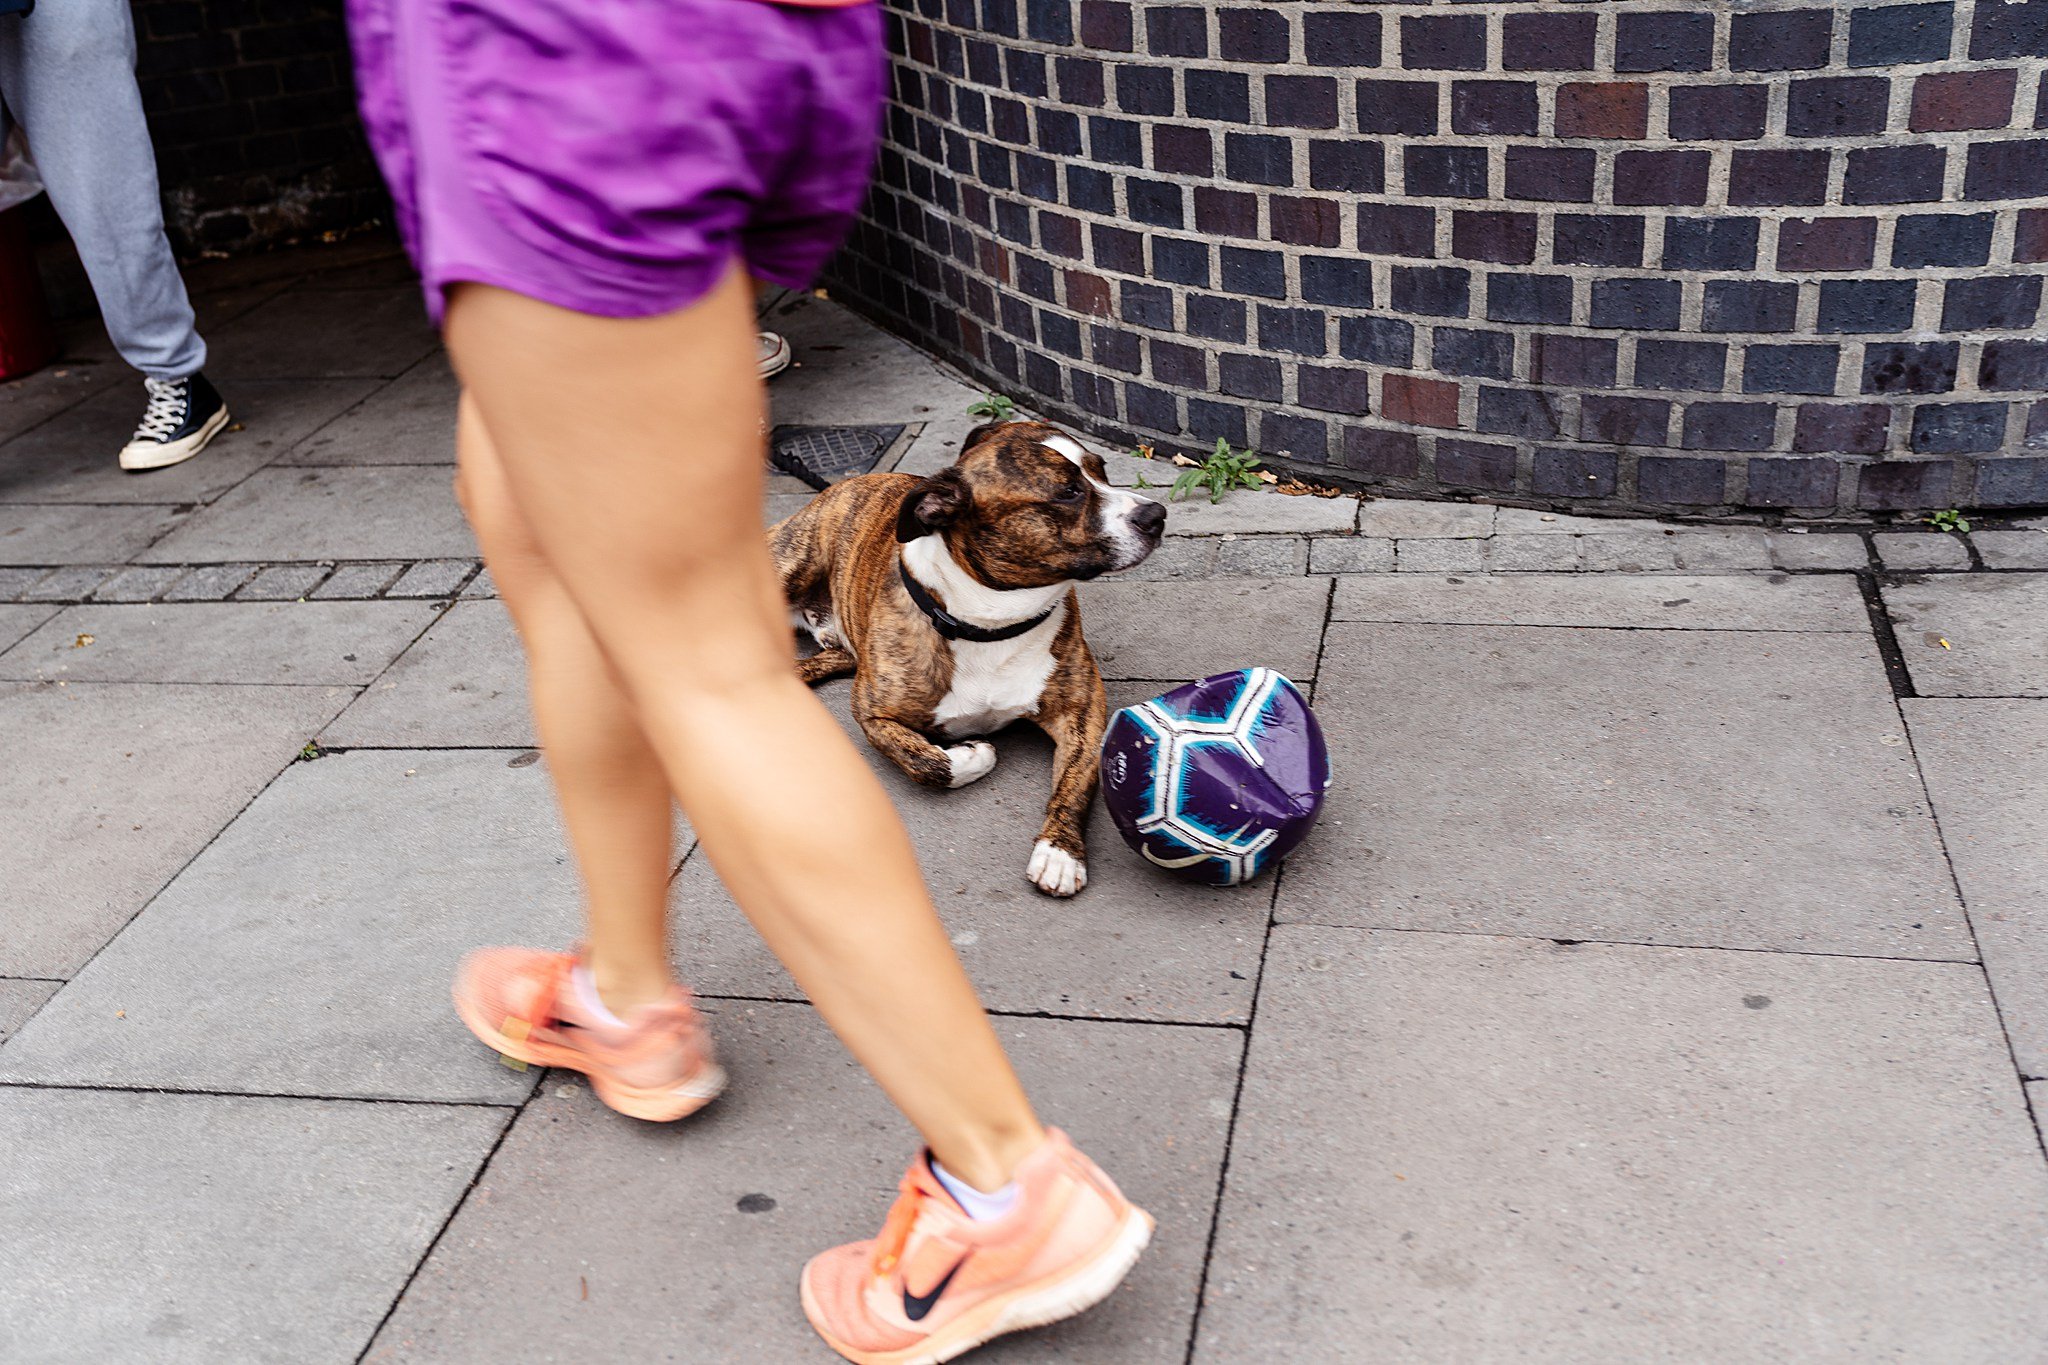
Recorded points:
(1058, 863)
(924, 762)
(829, 662)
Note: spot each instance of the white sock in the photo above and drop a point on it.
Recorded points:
(982, 1208)
(587, 996)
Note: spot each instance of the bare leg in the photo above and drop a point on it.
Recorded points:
(614, 796)
(633, 447)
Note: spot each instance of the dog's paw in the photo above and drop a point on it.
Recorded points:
(1055, 871)
(971, 761)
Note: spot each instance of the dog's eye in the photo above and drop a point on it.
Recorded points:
(1070, 494)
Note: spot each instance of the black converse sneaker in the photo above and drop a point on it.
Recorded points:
(183, 415)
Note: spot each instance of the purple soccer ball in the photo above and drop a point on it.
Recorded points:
(1217, 780)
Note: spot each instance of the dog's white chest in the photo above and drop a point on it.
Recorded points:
(996, 683)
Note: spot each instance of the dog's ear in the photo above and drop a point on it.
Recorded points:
(980, 434)
(931, 505)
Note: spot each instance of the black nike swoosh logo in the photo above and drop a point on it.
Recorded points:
(915, 1306)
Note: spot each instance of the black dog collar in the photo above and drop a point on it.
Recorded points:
(952, 627)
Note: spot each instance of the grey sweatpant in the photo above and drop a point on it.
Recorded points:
(67, 75)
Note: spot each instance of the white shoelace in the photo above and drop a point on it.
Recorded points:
(168, 401)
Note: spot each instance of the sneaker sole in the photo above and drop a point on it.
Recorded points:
(777, 362)
(173, 452)
(652, 1104)
(1050, 1300)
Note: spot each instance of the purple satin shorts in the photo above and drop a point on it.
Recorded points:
(614, 156)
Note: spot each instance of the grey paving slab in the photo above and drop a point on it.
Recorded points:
(80, 534)
(1350, 554)
(1911, 550)
(309, 334)
(68, 584)
(71, 458)
(20, 999)
(112, 787)
(308, 951)
(1529, 521)
(1986, 765)
(1177, 557)
(1136, 943)
(1796, 550)
(433, 578)
(1258, 511)
(1710, 550)
(411, 420)
(1455, 1148)
(18, 622)
(209, 582)
(1532, 554)
(358, 580)
(2012, 549)
(33, 399)
(1194, 628)
(1261, 556)
(1406, 519)
(1673, 602)
(282, 583)
(208, 1228)
(1694, 787)
(1995, 627)
(586, 1201)
(463, 683)
(776, 506)
(373, 512)
(143, 583)
(1439, 556)
(483, 585)
(1630, 552)
(16, 581)
(220, 642)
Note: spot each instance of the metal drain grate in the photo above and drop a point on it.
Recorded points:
(825, 455)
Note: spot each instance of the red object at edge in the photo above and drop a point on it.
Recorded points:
(28, 339)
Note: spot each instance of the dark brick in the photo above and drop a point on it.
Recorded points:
(1341, 281)
(1299, 438)
(1090, 190)
(1894, 175)
(2014, 482)
(1573, 474)
(1115, 141)
(1059, 132)
(1419, 400)
(1551, 174)
(1397, 229)
(1144, 89)
(1444, 42)
(1218, 319)
(1638, 305)
(2010, 30)
(1118, 249)
(1792, 483)
(1482, 107)
(1145, 305)
(1839, 106)
(1790, 369)
(1575, 361)
(1301, 101)
(1909, 366)
(1061, 235)
(1780, 40)
(1221, 95)
(1180, 262)
(1305, 222)
(1663, 42)
(1955, 101)
(1529, 298)
(1623, 421)
(1728, 426)
(1154, 202)
(1389, 454)
(1080, 81)
(1377, 340)
(1258, 158)
(1691, 366)
(1088, 294)
(2007, 170)
(1342, 39)
(1517, 412)
(1252, 35)
(2013, 364)
(1049, 21)
(1606, 109)
(1475, 464)
(1037, 278)
(1584, 239)
(1059, 333)
(1396, 107)
(1177, 30)
(1661, 177)
(1680, 482)
(1958, 428)
(1432, 291)
(1710, 243)
(1866, 305)
(1718, 113)
(1018, 319)
(1452, 172)
(1995, 302)
(1260, 273)
(1827, 243)
(1898, 34)
(1896, 485)
(1249, 376)
(1329, 389)
(1105, 25)
(1116, 349)
(1208, 421)
(1226, 212)
(1184, 367)
(1778, 176)
(1847, 428)
(1749, 306)
(1178, 149)
(1347, 164)
(1547, 42)
(1297, 331)
(1484, 355)
(1487, 235)
(1155, 409)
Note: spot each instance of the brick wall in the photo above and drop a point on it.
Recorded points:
(1703, 258)
(252, 108)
